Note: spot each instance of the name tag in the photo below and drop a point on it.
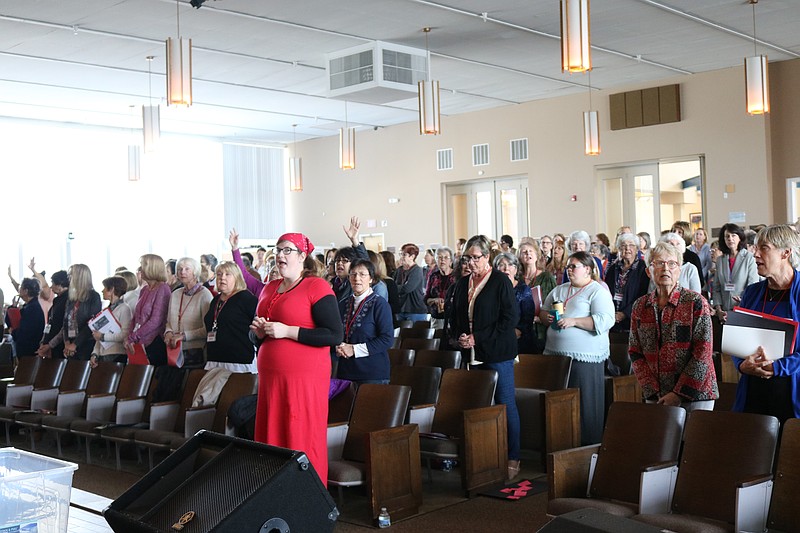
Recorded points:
(617, 296)
(72, 333)
(211, 337)
(47, 329)
(730, 287)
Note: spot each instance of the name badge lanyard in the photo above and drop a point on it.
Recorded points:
(212, 335)
(182, 310)
(352, 316)
(72, 325)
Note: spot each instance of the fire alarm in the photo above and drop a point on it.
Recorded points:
(573, 198)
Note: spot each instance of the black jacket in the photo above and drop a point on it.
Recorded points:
(495, 315)
(636, 287)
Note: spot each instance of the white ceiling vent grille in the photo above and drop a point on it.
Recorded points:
(519, 149)
(480, 155)
(444, 159)
(376, 72)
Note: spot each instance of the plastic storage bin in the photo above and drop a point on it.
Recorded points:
(34, 492)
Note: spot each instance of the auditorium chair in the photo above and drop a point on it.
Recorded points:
(24, 373)
(444, 359)
(423, 380)
(19, 396)
(784, 510)
(415, 333)
(401, 357)
(419, 344)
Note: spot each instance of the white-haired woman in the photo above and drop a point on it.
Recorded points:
(690, 277)
(439, 280)
(769, 383)
(579, 241)
(508, 263)
(627, 279)
(187, 307)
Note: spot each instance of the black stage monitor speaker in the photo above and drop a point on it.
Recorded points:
(593, 521)
(215, 483)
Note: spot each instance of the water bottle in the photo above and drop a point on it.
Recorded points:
(383, 519)
(557, 311)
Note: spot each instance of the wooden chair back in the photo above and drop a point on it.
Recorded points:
(76, 375)
(459, 391)
(620, 357)
(636, 435)
(416, 333)
(135, 381)
(444, 359)
(421, 324)
(404, 324)
(401, 357)
(722, 449)
(376, 407)
(238, 385)
(341, 406)
(50, 373)
(27, 367)
(423, 380)
(544, 372)
(419, 344)
(784, 512)
(189, 388)
(104, 378)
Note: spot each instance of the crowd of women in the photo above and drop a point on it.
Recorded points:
(553, 295)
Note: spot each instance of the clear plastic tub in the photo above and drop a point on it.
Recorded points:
(34, 492)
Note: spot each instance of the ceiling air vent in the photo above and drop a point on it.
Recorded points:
(444, 159)
(480, 155)
(376, 72)
(519, 149)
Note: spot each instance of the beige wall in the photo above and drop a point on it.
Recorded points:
(784, 129)
(398, 162)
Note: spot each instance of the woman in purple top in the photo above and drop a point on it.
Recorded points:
(150, 315)
(254, 284)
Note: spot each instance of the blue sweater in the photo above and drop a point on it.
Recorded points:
(788, 365)
(374, 326)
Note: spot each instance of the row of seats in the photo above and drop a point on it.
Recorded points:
(710, 472)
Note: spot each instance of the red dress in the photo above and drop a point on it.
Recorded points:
(294, 378)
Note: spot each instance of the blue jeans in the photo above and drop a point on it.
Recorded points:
(504, 393)
(412, 316)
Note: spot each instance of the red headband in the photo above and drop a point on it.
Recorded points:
(299, 240)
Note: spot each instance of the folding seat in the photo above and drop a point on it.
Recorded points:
(444, 359)
(18, 396)
(784, 510)
(419, 344)
(398, 357)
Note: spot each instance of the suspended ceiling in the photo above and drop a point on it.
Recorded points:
(259, 65)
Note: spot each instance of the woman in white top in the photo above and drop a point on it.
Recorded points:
(110, 346)
(581, 333)
(188, 306)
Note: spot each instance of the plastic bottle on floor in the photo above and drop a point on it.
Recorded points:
(384, 520)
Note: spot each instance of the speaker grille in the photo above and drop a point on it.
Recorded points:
(217, 489)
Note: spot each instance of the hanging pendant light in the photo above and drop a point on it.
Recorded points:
(151, 115)
(179, 68)
(756, 79)
(576, 52)
(591, 128)
(428, 92)
(347, 145)
(295, 166)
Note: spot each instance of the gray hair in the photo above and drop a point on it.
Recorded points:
(671, 236)
(482, 242)
(579, 235)
(782, 236)
(627, 237)
(508, 257)
(190, 262)
(444, 250)
(667, 248)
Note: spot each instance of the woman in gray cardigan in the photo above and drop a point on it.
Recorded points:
(736, 269)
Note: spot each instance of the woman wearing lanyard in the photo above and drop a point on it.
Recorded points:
(770, 384)
(438, 282)
(582, 334)
(109, 346)
(188, 306)
(83, 304)
(228, 322)
(736, 269)
(628, 280)
(485, 313)
(296, 323)
(368, 330)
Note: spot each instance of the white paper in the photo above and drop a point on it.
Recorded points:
(106, 323)
(742, 342)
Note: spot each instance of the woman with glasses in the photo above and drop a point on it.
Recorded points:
(736, 269)
(526, 337)
(410, 285)
(581, 332)
(670, 340)
(368, 330)
(485, 314)
(690, 275)
(627, 279)
(297, 321)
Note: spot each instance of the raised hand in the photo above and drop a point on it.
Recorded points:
(233, 238)
(352, 231)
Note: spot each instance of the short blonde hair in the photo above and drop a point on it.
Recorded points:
(130, 279)
(153, 267)
(229, 267)
(192, 263)
(782, 236)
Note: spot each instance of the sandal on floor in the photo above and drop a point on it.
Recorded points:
(513, 469)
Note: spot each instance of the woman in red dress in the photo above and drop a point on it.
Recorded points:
(297, 320)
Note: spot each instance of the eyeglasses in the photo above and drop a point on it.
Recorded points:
(573, 266)
(357, 274)
(342, 261)
(474, 258)
(662, 264)
(628, 246)
(285, 251)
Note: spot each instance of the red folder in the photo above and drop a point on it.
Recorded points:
(175, 355)
(787, 325)
(139, 356)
